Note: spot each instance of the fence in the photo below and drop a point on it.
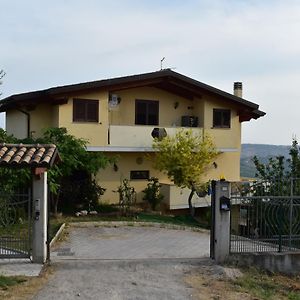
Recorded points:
(15, 225)
(265, 216)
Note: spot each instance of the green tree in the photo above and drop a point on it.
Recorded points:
(12, 179)
(185, 158)
(279, 172)
(74, 157)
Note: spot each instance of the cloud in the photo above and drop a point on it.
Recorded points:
(217, 42)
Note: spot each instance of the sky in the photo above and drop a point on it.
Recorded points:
(52, 43)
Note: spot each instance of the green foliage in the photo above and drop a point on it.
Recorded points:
(280, 172)
(6, 282)
(184, 157)
(152, 193)
(74, 158)
(80, 194)
(12, 179)
(127, 196)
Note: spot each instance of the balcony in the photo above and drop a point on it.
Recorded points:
(138, 136)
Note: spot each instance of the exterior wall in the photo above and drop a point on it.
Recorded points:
(16, 124)
(168, 114)
(110, 179)
(96, 133)
(223, 137)
(41, 117)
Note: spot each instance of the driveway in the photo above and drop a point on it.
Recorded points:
(125, 263)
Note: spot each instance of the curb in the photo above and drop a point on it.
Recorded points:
(58, 233)
(136, 224)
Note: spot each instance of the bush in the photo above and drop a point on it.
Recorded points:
(80, 194)
(152, 193)
(127, 196)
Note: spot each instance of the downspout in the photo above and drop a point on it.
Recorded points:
(28, 120)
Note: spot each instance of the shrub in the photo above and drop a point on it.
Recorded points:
(152, 193)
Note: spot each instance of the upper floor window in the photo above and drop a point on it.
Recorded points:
(146, 112)
(221, 118)
(85, 110)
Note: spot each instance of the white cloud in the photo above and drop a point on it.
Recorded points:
(217, 42)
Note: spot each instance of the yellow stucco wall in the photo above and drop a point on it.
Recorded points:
(95, 132)
(110, 179)
(168, 114)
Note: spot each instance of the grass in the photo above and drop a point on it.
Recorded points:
(6, 282)
(268, 286)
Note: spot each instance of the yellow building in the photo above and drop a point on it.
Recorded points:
(117, 116)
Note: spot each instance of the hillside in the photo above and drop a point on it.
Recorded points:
(263, 152)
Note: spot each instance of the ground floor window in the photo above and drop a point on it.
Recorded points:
(139, 174)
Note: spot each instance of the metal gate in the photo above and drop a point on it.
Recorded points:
(265, 216)
(15, 225)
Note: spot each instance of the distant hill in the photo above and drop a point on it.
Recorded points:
(263, 152)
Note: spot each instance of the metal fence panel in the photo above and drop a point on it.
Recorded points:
(265, 216)
(15, 225)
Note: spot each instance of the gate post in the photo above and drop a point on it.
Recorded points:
(39, 238)
(220, 232)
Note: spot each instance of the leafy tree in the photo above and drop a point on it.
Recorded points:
(74, 158)
(279, 172)
(185, 157)
(12, 179)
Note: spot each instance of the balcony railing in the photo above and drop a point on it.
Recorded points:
(139, 136)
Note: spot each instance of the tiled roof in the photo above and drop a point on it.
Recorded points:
(22, 155)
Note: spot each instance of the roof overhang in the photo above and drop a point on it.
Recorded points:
(165, 79)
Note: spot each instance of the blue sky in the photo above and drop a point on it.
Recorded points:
(45, 44)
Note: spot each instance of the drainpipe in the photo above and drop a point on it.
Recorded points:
(28, 120)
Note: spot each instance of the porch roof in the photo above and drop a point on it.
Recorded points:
(27, 155)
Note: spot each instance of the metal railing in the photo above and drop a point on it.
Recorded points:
(15, 225)
(265, 216)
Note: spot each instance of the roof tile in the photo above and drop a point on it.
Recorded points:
(28, 155)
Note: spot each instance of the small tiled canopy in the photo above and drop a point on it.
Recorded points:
(24, 155)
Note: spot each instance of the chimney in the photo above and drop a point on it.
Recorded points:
(238, 89)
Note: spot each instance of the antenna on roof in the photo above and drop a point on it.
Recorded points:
(161, 63)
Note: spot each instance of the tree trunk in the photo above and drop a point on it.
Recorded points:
(191, 208)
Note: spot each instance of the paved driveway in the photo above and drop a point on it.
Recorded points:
(125, 263)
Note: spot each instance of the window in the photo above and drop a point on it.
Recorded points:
(146, 112)
(221, 118)
(139, 175)
(85, 110)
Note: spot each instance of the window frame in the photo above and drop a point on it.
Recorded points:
(136, 172)
(87, 108)
(147, 113)
(223, 118)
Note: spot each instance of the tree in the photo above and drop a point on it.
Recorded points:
(74, 158)
(2, 74)
(185, 158)
(279, 172)
(12, 179)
